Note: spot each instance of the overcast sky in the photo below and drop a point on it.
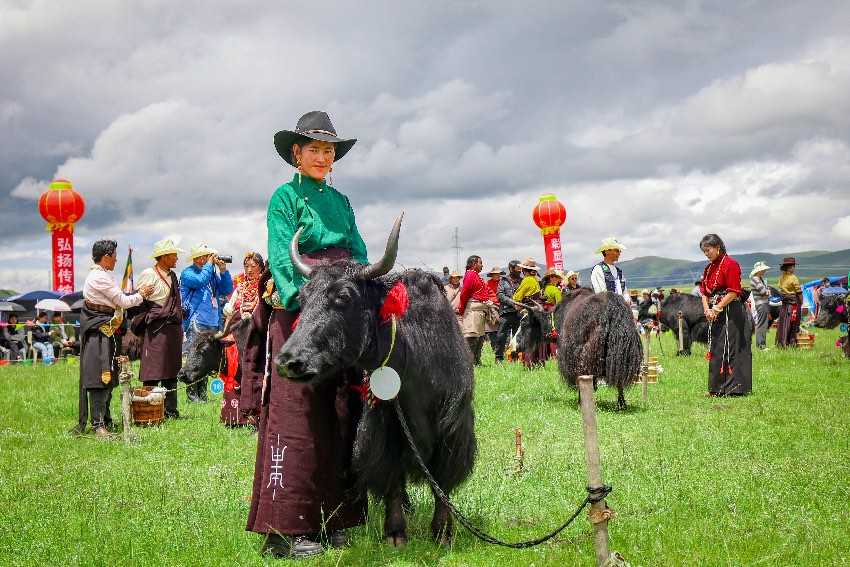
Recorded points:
(655, 122)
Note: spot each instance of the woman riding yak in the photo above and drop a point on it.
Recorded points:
(306, 429)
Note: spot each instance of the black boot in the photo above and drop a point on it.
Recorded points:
(292, 547)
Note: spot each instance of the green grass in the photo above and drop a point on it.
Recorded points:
(761, 480)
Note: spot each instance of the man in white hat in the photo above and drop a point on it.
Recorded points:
(760, 293)
(200, 288)
(605, 276)
(160, 327)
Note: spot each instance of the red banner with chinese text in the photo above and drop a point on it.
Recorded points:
(554, 255)
(63, 260)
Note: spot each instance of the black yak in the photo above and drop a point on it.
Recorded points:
(340, 326)
(832, 311)
(694, 323)
(207, 355)
(596, 335)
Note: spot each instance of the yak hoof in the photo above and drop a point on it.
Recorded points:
(398, 539)
(683, 353)
(444, 539)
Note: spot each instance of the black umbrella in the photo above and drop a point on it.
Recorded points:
(12, 307)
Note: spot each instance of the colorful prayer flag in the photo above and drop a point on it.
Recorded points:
(128, 274)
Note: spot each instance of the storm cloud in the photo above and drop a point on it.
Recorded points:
(656, 122)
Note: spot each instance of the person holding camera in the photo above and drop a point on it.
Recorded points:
(201, 287)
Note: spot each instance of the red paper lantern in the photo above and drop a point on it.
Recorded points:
(61, 206)
(549, 214)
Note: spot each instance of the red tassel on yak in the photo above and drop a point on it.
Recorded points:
(396, 303)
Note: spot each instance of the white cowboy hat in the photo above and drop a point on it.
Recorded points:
(609, 243)
(496, 270)
(570, 274)
(529, 264)
(758, 267)
(200, 249)
(163, 247)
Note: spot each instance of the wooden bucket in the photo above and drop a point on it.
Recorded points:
(805, 340)
(652, 374)
(651, 371)
(145, 413)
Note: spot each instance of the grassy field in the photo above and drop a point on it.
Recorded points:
(761, 480)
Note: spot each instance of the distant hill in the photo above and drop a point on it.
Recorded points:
(652, 271)
(4, 293)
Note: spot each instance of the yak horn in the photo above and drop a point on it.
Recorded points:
(223, 332)
(530, 308)
(385, 264)
(300, 266)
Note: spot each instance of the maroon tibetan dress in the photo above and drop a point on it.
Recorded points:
(302, 477)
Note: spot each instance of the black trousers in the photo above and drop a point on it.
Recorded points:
(95, 402)
(508, 323)
(170, 396)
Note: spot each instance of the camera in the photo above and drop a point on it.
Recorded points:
(226, 258)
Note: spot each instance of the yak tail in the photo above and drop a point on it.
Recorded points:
(622, 344)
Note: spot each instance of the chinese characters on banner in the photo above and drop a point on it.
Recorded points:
(554, 255)
(63, 260)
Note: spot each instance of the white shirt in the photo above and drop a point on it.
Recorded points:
(158, 279)
(597, 281)
(100, 288)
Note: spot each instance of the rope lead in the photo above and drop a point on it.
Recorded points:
(594, 495)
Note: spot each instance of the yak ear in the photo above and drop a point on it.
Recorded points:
(226, 342)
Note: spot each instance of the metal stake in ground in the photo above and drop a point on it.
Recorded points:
(599, 511)
(518, 458)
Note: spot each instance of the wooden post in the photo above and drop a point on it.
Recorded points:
(124, 377)
(594, 468)
(518, 458)
(681, 332)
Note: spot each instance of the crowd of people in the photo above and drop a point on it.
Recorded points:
(307, 429)
(47, 339)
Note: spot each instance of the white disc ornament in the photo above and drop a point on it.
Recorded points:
(385, 383)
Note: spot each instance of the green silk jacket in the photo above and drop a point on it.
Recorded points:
(327, 218)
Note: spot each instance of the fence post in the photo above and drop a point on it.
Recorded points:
(645, 366)
(594, 468)
(124, 377)
(681, 332)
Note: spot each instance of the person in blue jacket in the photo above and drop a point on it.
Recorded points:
(200, 288)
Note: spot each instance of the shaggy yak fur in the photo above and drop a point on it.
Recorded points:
(207, 352)
(340, 327)
(596, 336)
(833, 311)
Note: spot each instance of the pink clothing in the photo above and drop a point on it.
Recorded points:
(100, 288)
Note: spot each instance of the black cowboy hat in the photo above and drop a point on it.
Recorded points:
(315, 125)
